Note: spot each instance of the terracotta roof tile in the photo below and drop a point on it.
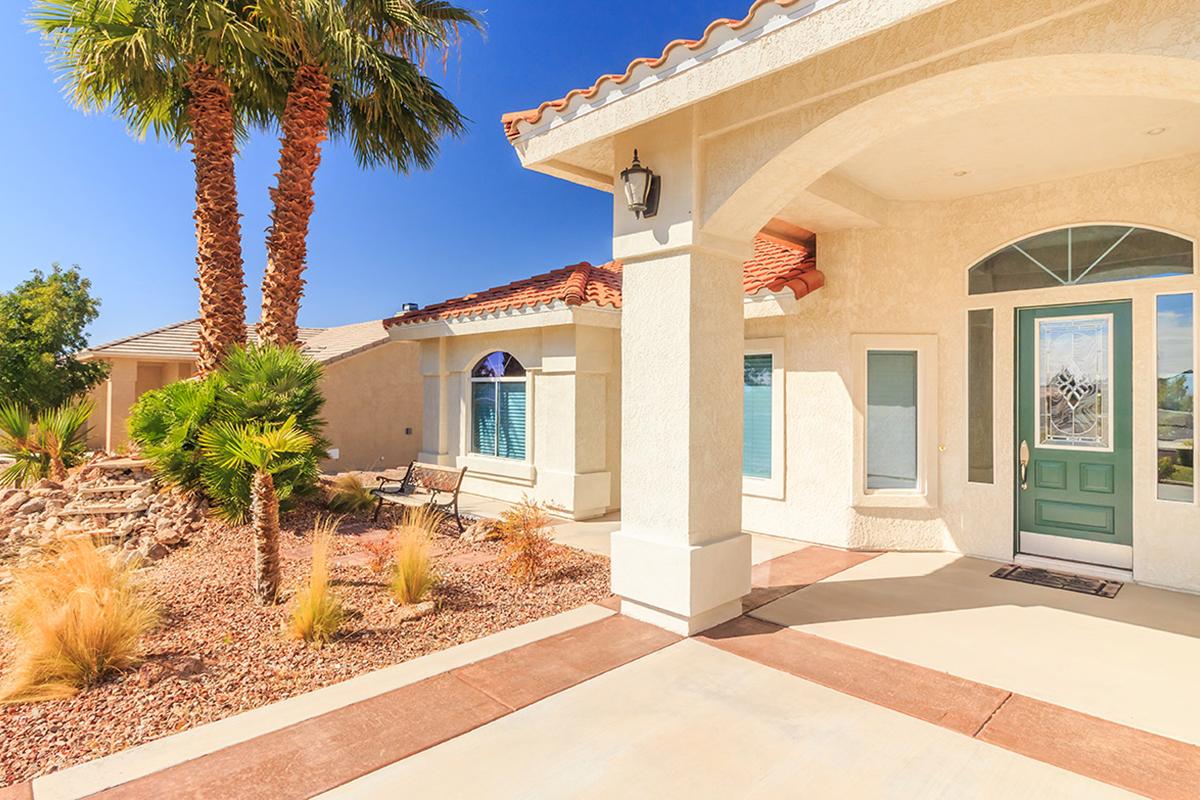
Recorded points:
(777, 264)
(534, 115)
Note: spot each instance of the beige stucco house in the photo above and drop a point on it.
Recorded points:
(1004, 203)
(522, 382)
(359, 360)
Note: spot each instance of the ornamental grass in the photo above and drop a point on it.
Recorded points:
(318, 614)
(413, 577)
(348, 495)
(78, 617)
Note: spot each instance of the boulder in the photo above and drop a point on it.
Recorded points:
(14, 501)
(46, 483)
(483, 530)
(416, 610)
(31, 506)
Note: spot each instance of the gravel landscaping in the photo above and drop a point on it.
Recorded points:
(218, 653)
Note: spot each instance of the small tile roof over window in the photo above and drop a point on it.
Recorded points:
(513, 121)
(177, 342)
(777, 264)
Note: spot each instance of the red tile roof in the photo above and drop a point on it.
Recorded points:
(777, 264)
(534, 115)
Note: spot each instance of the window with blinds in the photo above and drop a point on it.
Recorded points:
(498, 407)
(756, 415)
(891, 419)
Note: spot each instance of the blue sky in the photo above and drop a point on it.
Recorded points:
(78, 189)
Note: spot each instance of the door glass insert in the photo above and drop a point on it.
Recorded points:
(1074, 364)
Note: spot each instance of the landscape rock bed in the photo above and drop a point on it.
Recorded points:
(218, 653)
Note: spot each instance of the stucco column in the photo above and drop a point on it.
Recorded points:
(680, 560)
(122, 392)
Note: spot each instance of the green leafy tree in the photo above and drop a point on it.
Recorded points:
(255, 453)
(42, 323)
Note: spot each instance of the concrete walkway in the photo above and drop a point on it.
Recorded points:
(594, 704)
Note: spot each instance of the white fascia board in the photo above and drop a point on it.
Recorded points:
(556, 313)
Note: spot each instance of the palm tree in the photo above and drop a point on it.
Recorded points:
(190, 70)
(265, 450)
(45, 446)
(354, 70)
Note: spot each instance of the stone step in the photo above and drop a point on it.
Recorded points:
(119, 464)
(88, 511)
(116, 488)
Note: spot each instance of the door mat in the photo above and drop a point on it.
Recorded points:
(1100, 587)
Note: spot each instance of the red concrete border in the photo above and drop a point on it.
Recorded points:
(788, 573)
(1132, 759)
(324, 752)
(1099, 749)
(18, 791)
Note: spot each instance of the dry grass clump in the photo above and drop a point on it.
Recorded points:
(349, 496)
(527, 544)
(78, 617)
(412, 568)
(317, 613)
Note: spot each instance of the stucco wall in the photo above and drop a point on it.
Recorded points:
(910, 278)
(373, 408)
(572, 427)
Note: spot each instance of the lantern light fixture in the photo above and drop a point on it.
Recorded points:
(641, 189)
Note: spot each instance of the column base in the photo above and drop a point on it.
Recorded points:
(683, 588)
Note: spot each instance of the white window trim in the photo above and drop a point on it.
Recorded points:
(1154, 391)
(481, 464)
(925, 495)
(772, 488)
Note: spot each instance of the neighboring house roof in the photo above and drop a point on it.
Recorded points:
(777, 264)
(675, 51)
(177, 342)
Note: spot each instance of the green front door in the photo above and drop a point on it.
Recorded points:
(1075, 431)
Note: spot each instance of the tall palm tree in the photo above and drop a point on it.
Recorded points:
(354, 69)
(190, 70)
(266, 450)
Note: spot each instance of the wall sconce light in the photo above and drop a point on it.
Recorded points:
(641, 189)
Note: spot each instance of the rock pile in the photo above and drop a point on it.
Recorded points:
(482, 530)
(114, 501)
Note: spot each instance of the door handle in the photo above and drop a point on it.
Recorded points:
(1024, 464)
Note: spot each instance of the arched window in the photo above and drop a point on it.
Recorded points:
(498, 406)
(1080, 255)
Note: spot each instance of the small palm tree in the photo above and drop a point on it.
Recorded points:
(42, 446)
(190, 70)
(352, 69)
(263, 451)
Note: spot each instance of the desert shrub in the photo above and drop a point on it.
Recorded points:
(380, 552)
(45, 445)
(78, 617)
(412, 568)
(527, 544)
(258, 385)
(317, 613)
(349, 496)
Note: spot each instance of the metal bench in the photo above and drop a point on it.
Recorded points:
(423, 485)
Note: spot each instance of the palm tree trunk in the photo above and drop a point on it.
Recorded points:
(218, 224)
(305, 127)
(264, 510)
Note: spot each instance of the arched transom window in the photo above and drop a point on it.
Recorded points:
(1080, 255)
(498, 406)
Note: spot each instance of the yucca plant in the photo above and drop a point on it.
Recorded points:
(317, 613)
(251, 455)
(78, 617)
(44, 446)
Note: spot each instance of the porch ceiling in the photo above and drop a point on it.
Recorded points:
(1003, 146)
